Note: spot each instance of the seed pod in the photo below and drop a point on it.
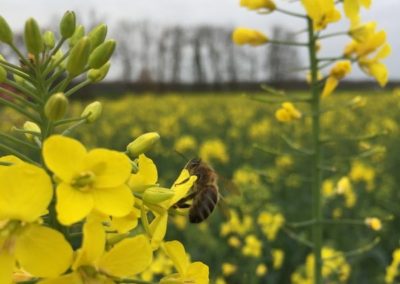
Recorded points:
(3, 71)
(78, 57)
(97, 75)
(56, 106)
(6, 34)
(68, 24)
(33, 37)
(156, 195)
(142, 144)
(49, 40)
(78, 34)
(32, 127)
(92, 111)
(97, 35)
(101, 54)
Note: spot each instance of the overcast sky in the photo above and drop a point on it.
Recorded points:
(219, 12)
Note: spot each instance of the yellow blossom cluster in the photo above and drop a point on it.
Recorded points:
(288, 112)
(361, 172)
(214, 150)
(270, 224)
(237, 226)
(392, 271)
(252, 246)
(345, 189)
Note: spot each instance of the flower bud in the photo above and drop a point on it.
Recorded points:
(92, 111)
(32, 127)
(155, 195)
(68, 24)
(6, 34)
(19, 80)
(56, 106)
(33, 37)
(49, 40)
(252, 37)
(78, 34)
(97, 75)
(101, 54)
(78, 57)
(97, 35)
(142, 144)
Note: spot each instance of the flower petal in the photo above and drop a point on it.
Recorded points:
(111, 168)
(25, 192)
(126, 223)
(145, 177)
(65, 279)
(93, 245)
(6, 266)
(176, 252)
(127, 258)
(11, 159)
(63, 155)
(181, 187)
(158, 229)
(43, 252)
(72, 205)
(116, 201)
(198, 272)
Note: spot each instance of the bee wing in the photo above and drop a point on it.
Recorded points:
(223, 207)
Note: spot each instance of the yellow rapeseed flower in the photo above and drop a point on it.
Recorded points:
(87, 180)
(261, 270)
(278, 257)
(267, 5)
(242, 36)
(252, 246)
(270, 224)
(338, 72)
(288, 112)
(373, 223)
(25, 193)
(196, 272)
(228, 268)
(93, 264)
(352, 8)
(322, 12)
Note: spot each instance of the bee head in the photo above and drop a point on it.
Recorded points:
(193, 163)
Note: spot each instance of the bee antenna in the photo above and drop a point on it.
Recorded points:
(180, 154)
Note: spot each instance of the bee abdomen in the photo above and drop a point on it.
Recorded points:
(203, 204)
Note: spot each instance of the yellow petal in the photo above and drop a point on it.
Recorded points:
(176, 252)
(198, 271)
(116, 201)
(72, 205)
(72, 278)
(181, 186)
(351, 8)
(7, 262)
(25, 192)
(93, 244)
(111, 168)
(126, 223)
(330, 86)
(158, 229)
(384, 52)
(380, 72)
(127, 258)
(146, 176)
(63, 156)
(11, 159)
(43, 252)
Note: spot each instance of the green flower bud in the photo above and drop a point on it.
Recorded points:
(78, 34)
(142, 144)
(49, 40)
(56, 57)
(92, 111)
(78, 57)
(56, 106)
(6, 34)
(19, 80)
(68, 24)
(97, 35)
(97, 75)
(33, 37)
(156, 195)
(101, 54)
(32, 127)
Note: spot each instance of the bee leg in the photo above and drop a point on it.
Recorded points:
(182, 205)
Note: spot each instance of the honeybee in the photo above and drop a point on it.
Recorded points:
(204, 194)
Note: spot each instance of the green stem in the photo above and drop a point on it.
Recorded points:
(68, 120)
(272, 41)
(18, 108)
(67, 131)
(77, 87)
(15, 70)
(317, 229)
(290, 13)
(21, 56)
(24, 90)
(18, 141)
(17, 97)
(14, 152)
(333, 35)
(60, 43)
